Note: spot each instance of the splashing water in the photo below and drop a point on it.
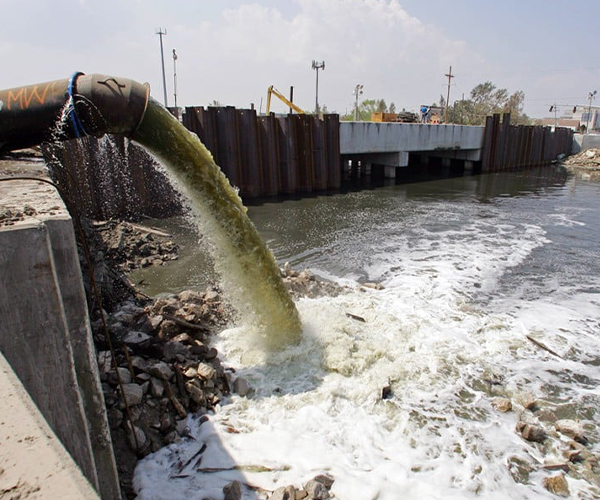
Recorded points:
(464, 281)
(248, 269)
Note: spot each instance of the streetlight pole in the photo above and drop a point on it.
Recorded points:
(317, 66)
(358, 90)
(175, 81)
(160, 33)
(591, 95)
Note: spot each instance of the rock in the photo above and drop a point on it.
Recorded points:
(160, 370)
(211, 296)
(133, 394)
(211, 354)
(557, 485)
(306, 275)
(197, 347)
(115, 418)
(206, 371)
(184, 338)
(519, 469)
(191, 296)
(136, 338)
(190, 372)
(325, 479)
(545, 415)
(572, 429)
(552, 464)
(301, 494)
(574, 456)
(577, 452)
(532, 432)
(137, 439)
(528, 402)
(166, 422)
(143, 377)
(174, 348)
(172, 437)
(232, 491)
(386, 392)
(316, 490)
(195, 393)
(123, 373)
(284, 493)
(182, 428)
(139, 363)
(503, 405)
(168, 329)
(155, 321)
(241, 386)
(373, 286)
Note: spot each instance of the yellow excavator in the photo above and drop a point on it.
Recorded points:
(273, 91)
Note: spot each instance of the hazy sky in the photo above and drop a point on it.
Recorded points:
(232, 50)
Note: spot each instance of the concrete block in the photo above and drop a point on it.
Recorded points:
(45, 333)
(33, 461)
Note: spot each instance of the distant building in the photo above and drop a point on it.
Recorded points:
(577, 120)
(581, 113)
(571, 123)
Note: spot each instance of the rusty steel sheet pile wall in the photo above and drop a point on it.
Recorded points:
(272, 154)
(111, 178)
(507, 147)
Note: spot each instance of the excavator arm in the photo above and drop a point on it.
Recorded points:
(273, 90)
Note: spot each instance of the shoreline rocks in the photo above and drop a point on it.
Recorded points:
(586, 164)
(154, 356)
(565, 444)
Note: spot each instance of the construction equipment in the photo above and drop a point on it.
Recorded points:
(274, 91)
(402, 117)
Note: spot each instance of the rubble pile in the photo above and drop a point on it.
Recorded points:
(130, 246)
(162, 370)
(586, 161)
(305, 284)
(163, 366)
(562, 448)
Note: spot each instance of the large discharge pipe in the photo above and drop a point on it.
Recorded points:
(70, 108)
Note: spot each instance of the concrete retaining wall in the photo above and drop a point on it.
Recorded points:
(45, 334)
(34, 463)
(583, 142)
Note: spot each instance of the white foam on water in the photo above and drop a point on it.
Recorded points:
(444, 353)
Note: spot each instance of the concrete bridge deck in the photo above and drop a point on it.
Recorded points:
(389, 144)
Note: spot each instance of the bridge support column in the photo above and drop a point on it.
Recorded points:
(389, 172)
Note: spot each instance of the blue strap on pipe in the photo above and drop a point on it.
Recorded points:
(75, 121)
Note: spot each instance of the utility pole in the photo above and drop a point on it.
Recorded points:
(161, 33)
(175, 82)
(554, 108)
(317, 66)
(450, 76)
(291, 96)
(591, 95)
(358, 90)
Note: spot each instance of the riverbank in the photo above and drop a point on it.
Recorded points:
(585, 165)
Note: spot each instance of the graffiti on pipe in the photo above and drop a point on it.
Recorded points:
(22, 98)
